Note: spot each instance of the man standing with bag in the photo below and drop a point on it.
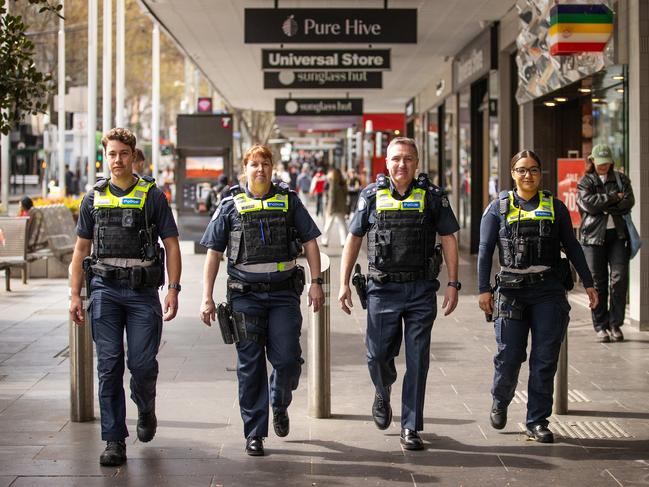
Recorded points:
(605, 198)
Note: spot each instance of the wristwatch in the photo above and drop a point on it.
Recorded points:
(174, 285)
(456, 284)
(317, 280)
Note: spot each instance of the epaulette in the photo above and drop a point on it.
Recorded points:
(101, 184)
(148, 179)
(235, 190)
(382, 181)
(282, 187)
(422, 181)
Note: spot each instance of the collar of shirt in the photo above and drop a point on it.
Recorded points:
(396, 195)
(533, 202)
(270, 193)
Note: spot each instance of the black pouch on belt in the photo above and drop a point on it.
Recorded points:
(506, 307)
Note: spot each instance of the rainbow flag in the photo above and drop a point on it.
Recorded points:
(578, 28)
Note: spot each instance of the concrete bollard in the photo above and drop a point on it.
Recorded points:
(319, 360)
(81, 368)
(560, 403)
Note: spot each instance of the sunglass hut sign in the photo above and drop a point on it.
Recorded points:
(330, 25)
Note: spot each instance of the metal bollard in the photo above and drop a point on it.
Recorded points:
(81, 368)
(320, 352)
(560, 403)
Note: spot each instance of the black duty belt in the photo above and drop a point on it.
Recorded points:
(510, 280)
(111, 272)
(383, 277)
(260, 287)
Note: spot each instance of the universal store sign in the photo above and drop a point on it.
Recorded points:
(308, 25)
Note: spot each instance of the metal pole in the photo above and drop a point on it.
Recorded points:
(81, 368)
(560, 405)
(60, 147)
(155, 108)
(4, 159)
(91, 145)
(319, 365)
(119, 63)
(107, 74)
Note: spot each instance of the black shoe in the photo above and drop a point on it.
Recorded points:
(382, 411)
(616, 334)
(498, 417)
(147, 423)
(114, 455)
(540, 433)
(255, 446)
(281, 423)
(410, 440)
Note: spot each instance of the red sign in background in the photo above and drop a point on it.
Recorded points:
(569, 172)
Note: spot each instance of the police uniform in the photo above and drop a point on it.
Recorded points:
(402, 283)
(530, 293)
(124, 226)
(263, 237)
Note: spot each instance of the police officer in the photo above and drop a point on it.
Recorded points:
(263, 225)
(401, 216)
(530, 228)
(121, 221)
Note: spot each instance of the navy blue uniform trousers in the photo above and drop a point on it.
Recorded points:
(389, 306)
(545, 317)
(113, 309)
(282, 347)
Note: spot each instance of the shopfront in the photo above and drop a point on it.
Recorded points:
(477, 132)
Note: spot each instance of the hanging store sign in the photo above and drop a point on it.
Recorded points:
(323, 79)
(476, 59)
(579, 28)
(362, 59)
(319, 25)
(318, 106)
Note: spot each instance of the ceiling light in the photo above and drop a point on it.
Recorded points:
(584, 90)
(596, 100)
(620, 90)
(549, 103)
(618, 77)
(560, 98)
(397, 132)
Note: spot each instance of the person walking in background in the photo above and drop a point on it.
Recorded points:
(304, 184)
(317, 188)
(139, 166)
(604, 196)
(336, 207)
(353, 190)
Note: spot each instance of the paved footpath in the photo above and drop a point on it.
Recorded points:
(603, 441)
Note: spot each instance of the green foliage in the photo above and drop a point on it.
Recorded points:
(22, 86)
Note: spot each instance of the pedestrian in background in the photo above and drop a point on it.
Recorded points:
(304, 184)
(604, 196)
(139, 166)
(530, 227)
(336, 207)
(318, 188)
(353, 190)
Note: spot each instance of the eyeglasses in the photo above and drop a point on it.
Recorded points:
(522, 171)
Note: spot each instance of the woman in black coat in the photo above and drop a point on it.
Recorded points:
(605, 195)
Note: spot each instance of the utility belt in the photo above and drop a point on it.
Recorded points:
(295, 282)
(384, 277)
(237, 327)
(511, 280)
(138, 277)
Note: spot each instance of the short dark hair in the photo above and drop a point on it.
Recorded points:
(525, 154)
(125, 136)
(138, 155)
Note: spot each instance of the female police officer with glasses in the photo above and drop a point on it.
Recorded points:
(263, 226)
(530, 227)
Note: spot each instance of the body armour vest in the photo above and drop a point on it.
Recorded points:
(120, 224)
(528, 238)
(265, 235)
(402, 238)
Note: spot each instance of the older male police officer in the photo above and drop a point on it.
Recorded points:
(121, 220)
(401, 216)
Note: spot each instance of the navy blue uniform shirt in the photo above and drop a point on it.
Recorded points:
(436, 203)
(490, 229)
(156, 207)
(226, 218)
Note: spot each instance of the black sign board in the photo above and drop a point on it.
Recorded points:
(318, 106)
(323, 79)
(476, 59)
(410, 108)
(361, 59)
(319, 25)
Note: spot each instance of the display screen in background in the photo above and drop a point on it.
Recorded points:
(197, 167)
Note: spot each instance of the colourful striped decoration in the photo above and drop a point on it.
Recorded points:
(576, 28)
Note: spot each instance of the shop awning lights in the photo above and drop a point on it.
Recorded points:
(618, 77)
(576, 28)
(584, 90)
(620, 90)
(549, 104)
(560, 99)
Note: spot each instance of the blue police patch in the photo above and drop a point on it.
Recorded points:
(543, 213)
(131, 201)
(411, 204)
(275, 204)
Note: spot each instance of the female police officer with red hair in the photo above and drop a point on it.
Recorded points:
(263, 225)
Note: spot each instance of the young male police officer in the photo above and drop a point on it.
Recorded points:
(120, 221)
(401, 216)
